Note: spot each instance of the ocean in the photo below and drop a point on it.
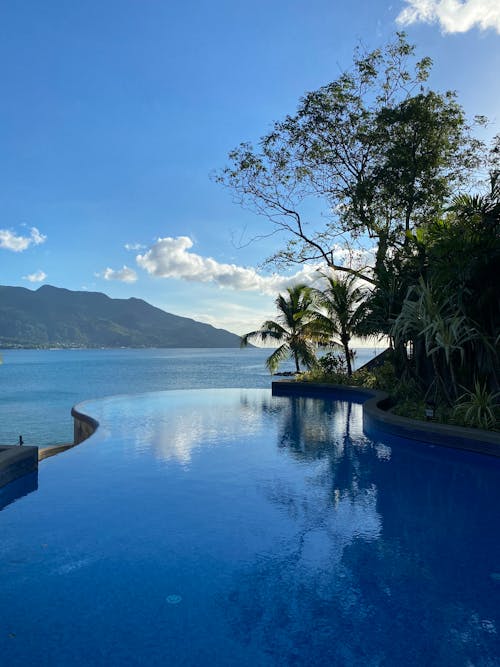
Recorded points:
(39, 387)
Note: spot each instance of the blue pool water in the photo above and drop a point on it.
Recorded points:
(230, 527)
(39, 387)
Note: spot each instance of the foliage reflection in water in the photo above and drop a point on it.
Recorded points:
(285, 535)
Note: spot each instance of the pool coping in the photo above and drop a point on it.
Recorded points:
(376, 417)
(83, 426)
(19, 460)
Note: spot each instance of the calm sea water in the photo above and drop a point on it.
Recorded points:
(39, 387)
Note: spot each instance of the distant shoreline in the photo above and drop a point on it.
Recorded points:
(122, 347)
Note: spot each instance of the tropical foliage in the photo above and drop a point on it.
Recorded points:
(293, 329)
(341, 314)
(451, 315)
(385, 156)
(479, 407)
(376, 149)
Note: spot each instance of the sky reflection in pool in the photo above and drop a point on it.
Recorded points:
(229, 527)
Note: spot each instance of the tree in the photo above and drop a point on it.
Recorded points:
(375, 149)
(343, 310)
(451, 313)
(294, 329)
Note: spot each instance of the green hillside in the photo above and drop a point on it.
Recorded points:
(54, 317)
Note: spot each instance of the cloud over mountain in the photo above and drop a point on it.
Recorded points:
(124, 275)
(37, 277)
(171, 258)
(453, 15)
(9, 240)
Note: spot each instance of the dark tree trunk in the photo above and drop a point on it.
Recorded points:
(345, 344)
(297, 367)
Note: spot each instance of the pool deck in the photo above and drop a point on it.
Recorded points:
(378, 418)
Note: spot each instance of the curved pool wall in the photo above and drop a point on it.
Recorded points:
(84, 425)
(377, 418)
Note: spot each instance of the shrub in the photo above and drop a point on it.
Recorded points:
(478, 408)
(333, 364)
(380, 377)
(319, 375)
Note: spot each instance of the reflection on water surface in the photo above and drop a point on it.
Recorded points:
(287, 535)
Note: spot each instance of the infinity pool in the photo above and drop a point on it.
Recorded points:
(229, 527)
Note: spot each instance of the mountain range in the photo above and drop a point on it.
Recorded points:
(54, 317)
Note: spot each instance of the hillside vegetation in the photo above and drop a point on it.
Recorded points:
(55, 317)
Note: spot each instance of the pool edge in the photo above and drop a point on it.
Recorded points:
(376, 417)
(83, 426)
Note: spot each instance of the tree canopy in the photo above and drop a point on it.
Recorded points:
(386, 161)
(341, 313)
(378, 151)
(294, 329)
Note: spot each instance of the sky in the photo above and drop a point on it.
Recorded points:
(113, 115)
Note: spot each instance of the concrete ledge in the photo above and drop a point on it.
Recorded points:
(84, 426)
(16, 461)
(52, 450)
(376, 417)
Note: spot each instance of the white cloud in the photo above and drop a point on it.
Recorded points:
(134, 246)
(125, 274)
(36, 237)
(453, 15)
(171, 258)
(37, 277)
(9, 240)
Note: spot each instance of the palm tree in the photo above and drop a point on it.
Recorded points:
(343, 311)
(293, 328)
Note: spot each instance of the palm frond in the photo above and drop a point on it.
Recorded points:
(269, 330)
(306, 352)
(280, 354)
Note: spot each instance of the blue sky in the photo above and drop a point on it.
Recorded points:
(113, 115)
